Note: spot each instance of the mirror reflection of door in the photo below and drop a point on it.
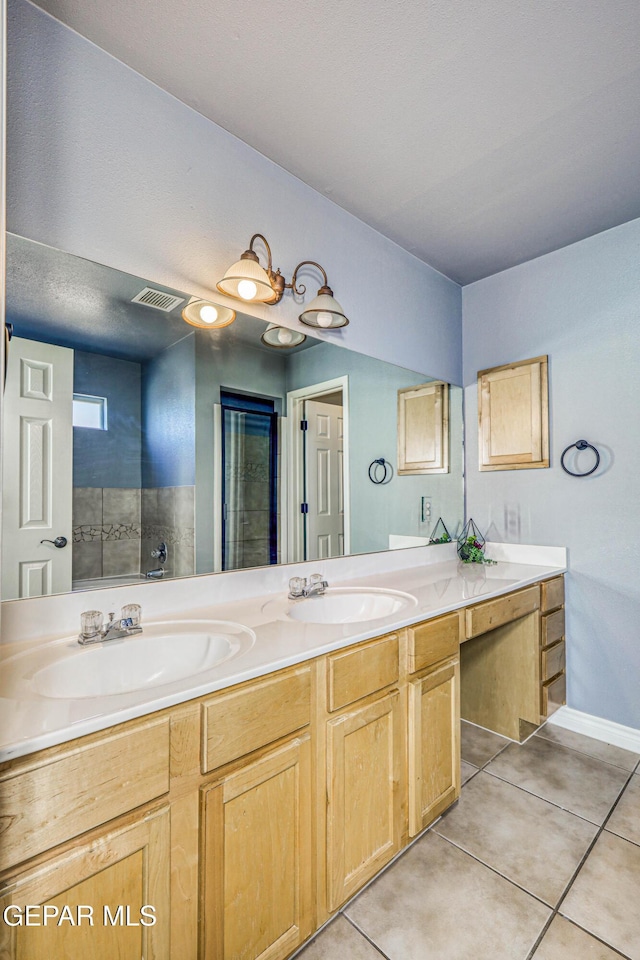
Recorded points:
(324, 477)
(37, 469)
(249, 481)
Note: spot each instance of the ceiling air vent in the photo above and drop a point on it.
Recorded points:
(158, 299)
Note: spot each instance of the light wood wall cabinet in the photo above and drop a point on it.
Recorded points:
(513, 415)
(423, 429)
(247, 817)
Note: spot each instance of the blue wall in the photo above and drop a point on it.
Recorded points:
(108, 458)
(581, 306)
(377, 511)
(87, 174)
(168, 415)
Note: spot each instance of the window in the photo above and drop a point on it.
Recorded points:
(89, 412)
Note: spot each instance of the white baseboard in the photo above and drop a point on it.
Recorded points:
(597, 727)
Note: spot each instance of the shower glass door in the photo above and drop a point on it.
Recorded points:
(249, 482)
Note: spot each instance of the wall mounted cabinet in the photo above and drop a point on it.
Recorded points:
(513, 416)
(423, 429)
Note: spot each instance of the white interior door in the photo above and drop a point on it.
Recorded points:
(324, 480)
(37, 470)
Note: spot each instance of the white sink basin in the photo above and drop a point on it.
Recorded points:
(162, 654)
(350, 605)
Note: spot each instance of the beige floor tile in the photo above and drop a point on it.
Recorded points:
(605, 896)
(526, 839)
(478, 745)
(574, 781)
(438, 903)
(593, 748)
(339, 941)
(467, 770)
(625, 819)
(565, 941)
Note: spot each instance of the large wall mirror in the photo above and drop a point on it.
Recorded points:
(157, 449)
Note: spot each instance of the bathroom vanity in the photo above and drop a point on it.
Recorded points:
(247, 815)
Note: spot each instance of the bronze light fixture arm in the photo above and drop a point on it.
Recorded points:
(301, 290)
(275, 277)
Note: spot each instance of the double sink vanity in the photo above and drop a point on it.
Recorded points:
(239, 771)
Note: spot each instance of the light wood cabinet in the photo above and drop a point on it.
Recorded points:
(247, 817)
(122, 871)
(553, 689)
(434, 744)
(238, 721)
(512, 663)
(423, 429)
(89, 782)
(513, 416)
(257, 865)
(364, 794)
(356, 673)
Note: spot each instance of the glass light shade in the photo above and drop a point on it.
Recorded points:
(208, 316)
(236, 277)
(325, 312)
(281, 337)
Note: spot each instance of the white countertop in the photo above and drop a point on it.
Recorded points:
(27, 725)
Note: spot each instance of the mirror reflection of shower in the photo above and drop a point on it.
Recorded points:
(160, 554)
(121, 447)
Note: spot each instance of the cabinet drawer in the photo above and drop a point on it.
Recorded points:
(433, 641)
(554, 695)
(552, 627)
(357, 673)
(55, 796)
(249, 717)
(552, 661)
(551, 594)
(494, 613)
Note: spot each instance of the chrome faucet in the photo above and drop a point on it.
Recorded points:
(92, 632)
(300, 587)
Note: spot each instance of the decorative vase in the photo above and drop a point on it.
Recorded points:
(440, 534)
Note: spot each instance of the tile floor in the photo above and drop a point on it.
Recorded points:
(539, 859)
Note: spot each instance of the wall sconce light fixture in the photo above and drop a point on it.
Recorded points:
(247, 280)
(207, 315)
(281, 337)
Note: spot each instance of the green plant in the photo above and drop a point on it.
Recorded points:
(472, 551)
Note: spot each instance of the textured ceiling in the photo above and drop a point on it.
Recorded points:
(477, 134)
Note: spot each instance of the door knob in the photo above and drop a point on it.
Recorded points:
(58, 542)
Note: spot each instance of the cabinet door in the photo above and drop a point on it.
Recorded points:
(434, 744)
(423, 429)
(87, 902)
(364, 814)
(256, 869)
(513, 413)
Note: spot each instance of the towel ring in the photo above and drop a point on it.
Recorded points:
(580, 445)
(374, 474)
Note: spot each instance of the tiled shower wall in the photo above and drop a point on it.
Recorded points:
(168, 514)
(115, 530)
(106, 532)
